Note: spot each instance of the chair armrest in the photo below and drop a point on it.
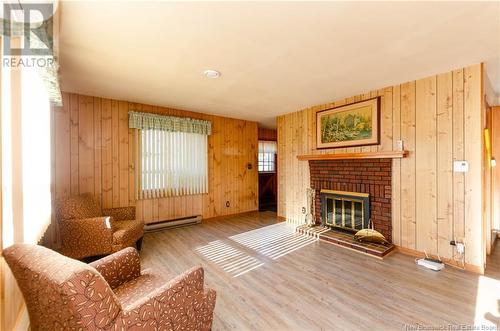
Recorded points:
(120, 214)
(182, 303)
(87, 236)
(120, 267)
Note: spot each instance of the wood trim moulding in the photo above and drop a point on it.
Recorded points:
(348, 156)
(222, 217)
(452, 263)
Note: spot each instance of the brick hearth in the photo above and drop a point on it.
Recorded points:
(371, 176)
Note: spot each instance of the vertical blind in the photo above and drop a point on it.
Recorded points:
(172, 155)
(172, 163)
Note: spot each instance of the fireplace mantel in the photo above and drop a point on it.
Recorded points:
(348, 156)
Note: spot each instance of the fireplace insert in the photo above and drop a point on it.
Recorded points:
(345, 210)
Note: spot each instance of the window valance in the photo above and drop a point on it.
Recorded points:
(145, 121)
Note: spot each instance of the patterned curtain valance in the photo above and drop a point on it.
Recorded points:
(146, 121)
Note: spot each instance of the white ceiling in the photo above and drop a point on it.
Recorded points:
(275, 57)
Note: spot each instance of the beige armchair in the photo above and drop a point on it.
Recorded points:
(109, 294)
(87, 231)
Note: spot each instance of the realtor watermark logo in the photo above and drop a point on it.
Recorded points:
(30, 22)
(450, 327)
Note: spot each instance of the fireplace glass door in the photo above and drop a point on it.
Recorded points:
(346, 210)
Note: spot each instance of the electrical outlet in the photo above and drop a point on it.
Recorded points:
(228, 204)
(303, 210)
(460, 166)
(399, 145)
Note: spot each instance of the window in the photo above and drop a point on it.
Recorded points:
(267, 156)
(25, 160)
(172, 163)
(35, 155)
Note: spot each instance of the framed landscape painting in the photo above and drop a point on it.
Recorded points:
(351, 125)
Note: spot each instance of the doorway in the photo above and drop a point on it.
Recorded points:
(267, 166)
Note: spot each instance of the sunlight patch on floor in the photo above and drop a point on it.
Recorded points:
(230, 259)
(487, 302)
(273, 241)
(260, 237)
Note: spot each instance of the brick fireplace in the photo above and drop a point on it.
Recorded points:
(372, 176)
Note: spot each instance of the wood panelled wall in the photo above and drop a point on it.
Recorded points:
(94, 153)
(438, 118)
(495, 153)
(268, 134)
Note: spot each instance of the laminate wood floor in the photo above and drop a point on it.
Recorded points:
(268, 277)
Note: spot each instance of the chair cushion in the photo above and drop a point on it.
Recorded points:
(127, 232)
(140, 287)
(77, 207)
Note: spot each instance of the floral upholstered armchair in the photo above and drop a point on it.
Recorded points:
(109, 294)
(87, 231)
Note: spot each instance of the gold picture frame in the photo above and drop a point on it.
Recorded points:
(356, 124)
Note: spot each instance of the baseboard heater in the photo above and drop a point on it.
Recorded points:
(162, 225)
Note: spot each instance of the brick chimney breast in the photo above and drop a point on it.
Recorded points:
(372, 176)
